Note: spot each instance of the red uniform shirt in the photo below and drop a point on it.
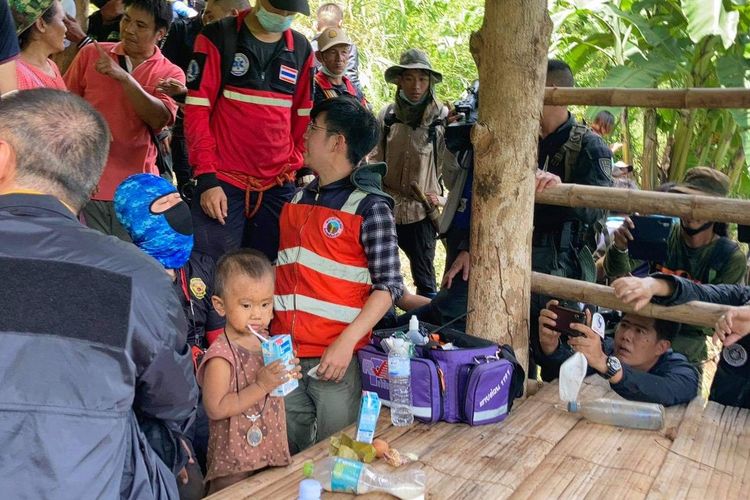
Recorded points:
(132, 150)
(255, 125)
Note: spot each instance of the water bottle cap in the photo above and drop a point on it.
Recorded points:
(307, 468)
(310, 489)
(414, 323)
(573, 406)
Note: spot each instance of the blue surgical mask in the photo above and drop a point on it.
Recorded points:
(272, 22)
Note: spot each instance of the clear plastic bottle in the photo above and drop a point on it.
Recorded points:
(415, 336)
(350, 476)
(399, 380)
(632, 414)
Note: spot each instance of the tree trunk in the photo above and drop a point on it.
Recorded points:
(650, 160)
(513, 42)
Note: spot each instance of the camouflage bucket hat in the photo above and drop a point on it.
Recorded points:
(26, 12)
(412, 59)
(704, 181)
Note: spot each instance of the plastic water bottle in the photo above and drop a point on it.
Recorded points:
(349, 476)
(309, 489)
(631, 414)
(414, 334)
(399, 378)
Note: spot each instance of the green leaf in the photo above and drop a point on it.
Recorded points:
(708, 17)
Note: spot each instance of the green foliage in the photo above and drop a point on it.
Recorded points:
(382, 30)
(666, 44)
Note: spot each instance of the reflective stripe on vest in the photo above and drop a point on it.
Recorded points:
(321, 308)
(329, 267)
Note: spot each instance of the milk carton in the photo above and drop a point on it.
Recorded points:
(280, 347)
(369, 411)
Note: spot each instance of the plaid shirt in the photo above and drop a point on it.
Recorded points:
(378, 237)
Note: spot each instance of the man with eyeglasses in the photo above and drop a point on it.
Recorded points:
(638, 363)
(337, 271)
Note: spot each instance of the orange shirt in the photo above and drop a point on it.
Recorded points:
(132, 150)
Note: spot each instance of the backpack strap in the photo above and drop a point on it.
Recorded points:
(569, 151)
(226, 40)
(388, 120)
(721, 253)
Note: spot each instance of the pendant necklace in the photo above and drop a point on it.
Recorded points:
(254, 435)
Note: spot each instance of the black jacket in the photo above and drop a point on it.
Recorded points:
(671, 381)
(731, 385)
(93, 341)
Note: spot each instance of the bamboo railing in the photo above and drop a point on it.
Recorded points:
(707, 98)
(692, 313)
(647, 202)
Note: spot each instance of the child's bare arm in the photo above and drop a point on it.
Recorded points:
(221, 402)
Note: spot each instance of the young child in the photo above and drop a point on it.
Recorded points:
(247, 429)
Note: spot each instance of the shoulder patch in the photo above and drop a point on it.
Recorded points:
(198, 288)
(194, 73)
(605, 165)
(240, 64)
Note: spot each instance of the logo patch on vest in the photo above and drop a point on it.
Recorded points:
(333, 227)
(193, 70)
(287, 74)
(198, 287)
(240, 65)
(735, 355)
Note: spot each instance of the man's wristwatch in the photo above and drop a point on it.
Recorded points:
(613, 366)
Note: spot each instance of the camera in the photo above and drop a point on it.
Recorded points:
(458, 134)
(469, 103)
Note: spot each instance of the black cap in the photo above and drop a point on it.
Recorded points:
(301, 6)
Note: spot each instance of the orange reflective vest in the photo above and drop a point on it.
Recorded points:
(322, 278)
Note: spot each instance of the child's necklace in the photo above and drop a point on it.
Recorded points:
(254, 435)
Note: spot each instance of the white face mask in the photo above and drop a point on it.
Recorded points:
(327, 72)
(413, 103)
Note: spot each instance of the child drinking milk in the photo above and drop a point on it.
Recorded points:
(247, 427)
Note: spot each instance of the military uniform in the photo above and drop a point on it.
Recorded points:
(564, 239)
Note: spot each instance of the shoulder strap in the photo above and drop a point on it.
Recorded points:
(228, 34)
(721, 253)
(388, 120)
(432, 135)
(572, 148)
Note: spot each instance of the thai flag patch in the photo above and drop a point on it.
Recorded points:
(287, 74)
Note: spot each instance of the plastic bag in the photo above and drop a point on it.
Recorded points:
(572, 373)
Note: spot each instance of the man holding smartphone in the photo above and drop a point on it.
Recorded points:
(638, 363)
(697, 250)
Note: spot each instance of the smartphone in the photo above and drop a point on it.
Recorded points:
(565, 317)
(650, 236)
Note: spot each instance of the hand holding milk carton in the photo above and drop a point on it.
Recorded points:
(275, 348)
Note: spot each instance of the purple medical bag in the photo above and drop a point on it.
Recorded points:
(475, 383)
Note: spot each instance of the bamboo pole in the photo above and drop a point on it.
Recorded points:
(707, 98)
(647, 202)
(692, 313)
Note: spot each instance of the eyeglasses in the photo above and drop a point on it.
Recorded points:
(312, 126)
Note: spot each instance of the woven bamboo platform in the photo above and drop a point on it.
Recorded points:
(541, 451)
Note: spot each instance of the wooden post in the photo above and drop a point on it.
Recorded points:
(692, 313)
(511, 54)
